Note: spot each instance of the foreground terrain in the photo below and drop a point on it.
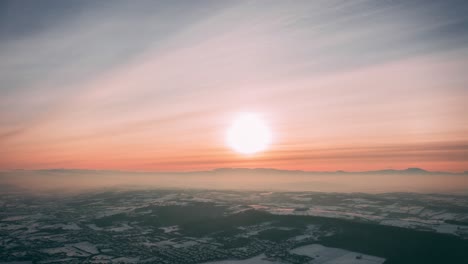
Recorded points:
(195, 226)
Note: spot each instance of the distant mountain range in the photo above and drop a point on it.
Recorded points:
(387, 171)
(415, 171)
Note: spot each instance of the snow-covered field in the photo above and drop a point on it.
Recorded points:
(77, 249)
(321, 255)
(260, 259)
(328, 255)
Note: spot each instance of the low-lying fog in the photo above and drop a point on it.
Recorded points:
(411, 180)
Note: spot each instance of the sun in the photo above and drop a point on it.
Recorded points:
(248, 134)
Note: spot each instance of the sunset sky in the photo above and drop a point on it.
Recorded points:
(155, 85)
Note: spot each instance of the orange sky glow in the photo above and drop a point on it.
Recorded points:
(334, 96)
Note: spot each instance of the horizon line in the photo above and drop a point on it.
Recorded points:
(408, 169)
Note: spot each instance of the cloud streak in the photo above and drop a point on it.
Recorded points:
(155, 81)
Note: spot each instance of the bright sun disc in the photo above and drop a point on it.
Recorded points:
(248, 134)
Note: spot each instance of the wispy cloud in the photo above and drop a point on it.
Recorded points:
(152, 74)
